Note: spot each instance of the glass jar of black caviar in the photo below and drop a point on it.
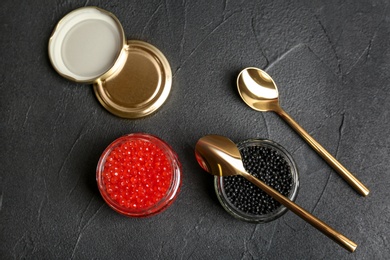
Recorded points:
(269, 162)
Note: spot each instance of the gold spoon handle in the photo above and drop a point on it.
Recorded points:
(336, 165)
(312, 220)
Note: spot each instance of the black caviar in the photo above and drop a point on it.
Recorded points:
(266, 164)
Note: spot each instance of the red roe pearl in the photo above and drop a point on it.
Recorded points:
(137, 173)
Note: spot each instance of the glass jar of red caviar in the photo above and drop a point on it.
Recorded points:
(269, 162)
(139, 175)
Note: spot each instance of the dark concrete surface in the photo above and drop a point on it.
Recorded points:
(331, 61)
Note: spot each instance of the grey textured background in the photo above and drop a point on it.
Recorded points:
(331, 61)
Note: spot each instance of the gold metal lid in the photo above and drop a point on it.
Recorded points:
(141, 86)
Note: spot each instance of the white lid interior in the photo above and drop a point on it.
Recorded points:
(85, 44)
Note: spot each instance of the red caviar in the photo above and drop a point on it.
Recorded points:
(139, 175)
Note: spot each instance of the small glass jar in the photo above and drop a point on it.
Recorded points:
(139, 175)
(275, 166)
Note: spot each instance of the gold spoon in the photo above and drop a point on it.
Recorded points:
(259, 91)
(219, 156)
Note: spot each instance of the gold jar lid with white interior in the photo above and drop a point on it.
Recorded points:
(131, 79)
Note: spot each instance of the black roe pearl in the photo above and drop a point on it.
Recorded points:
(266, 164)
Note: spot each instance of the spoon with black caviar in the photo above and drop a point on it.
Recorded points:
(259, 91)
(219, 156)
